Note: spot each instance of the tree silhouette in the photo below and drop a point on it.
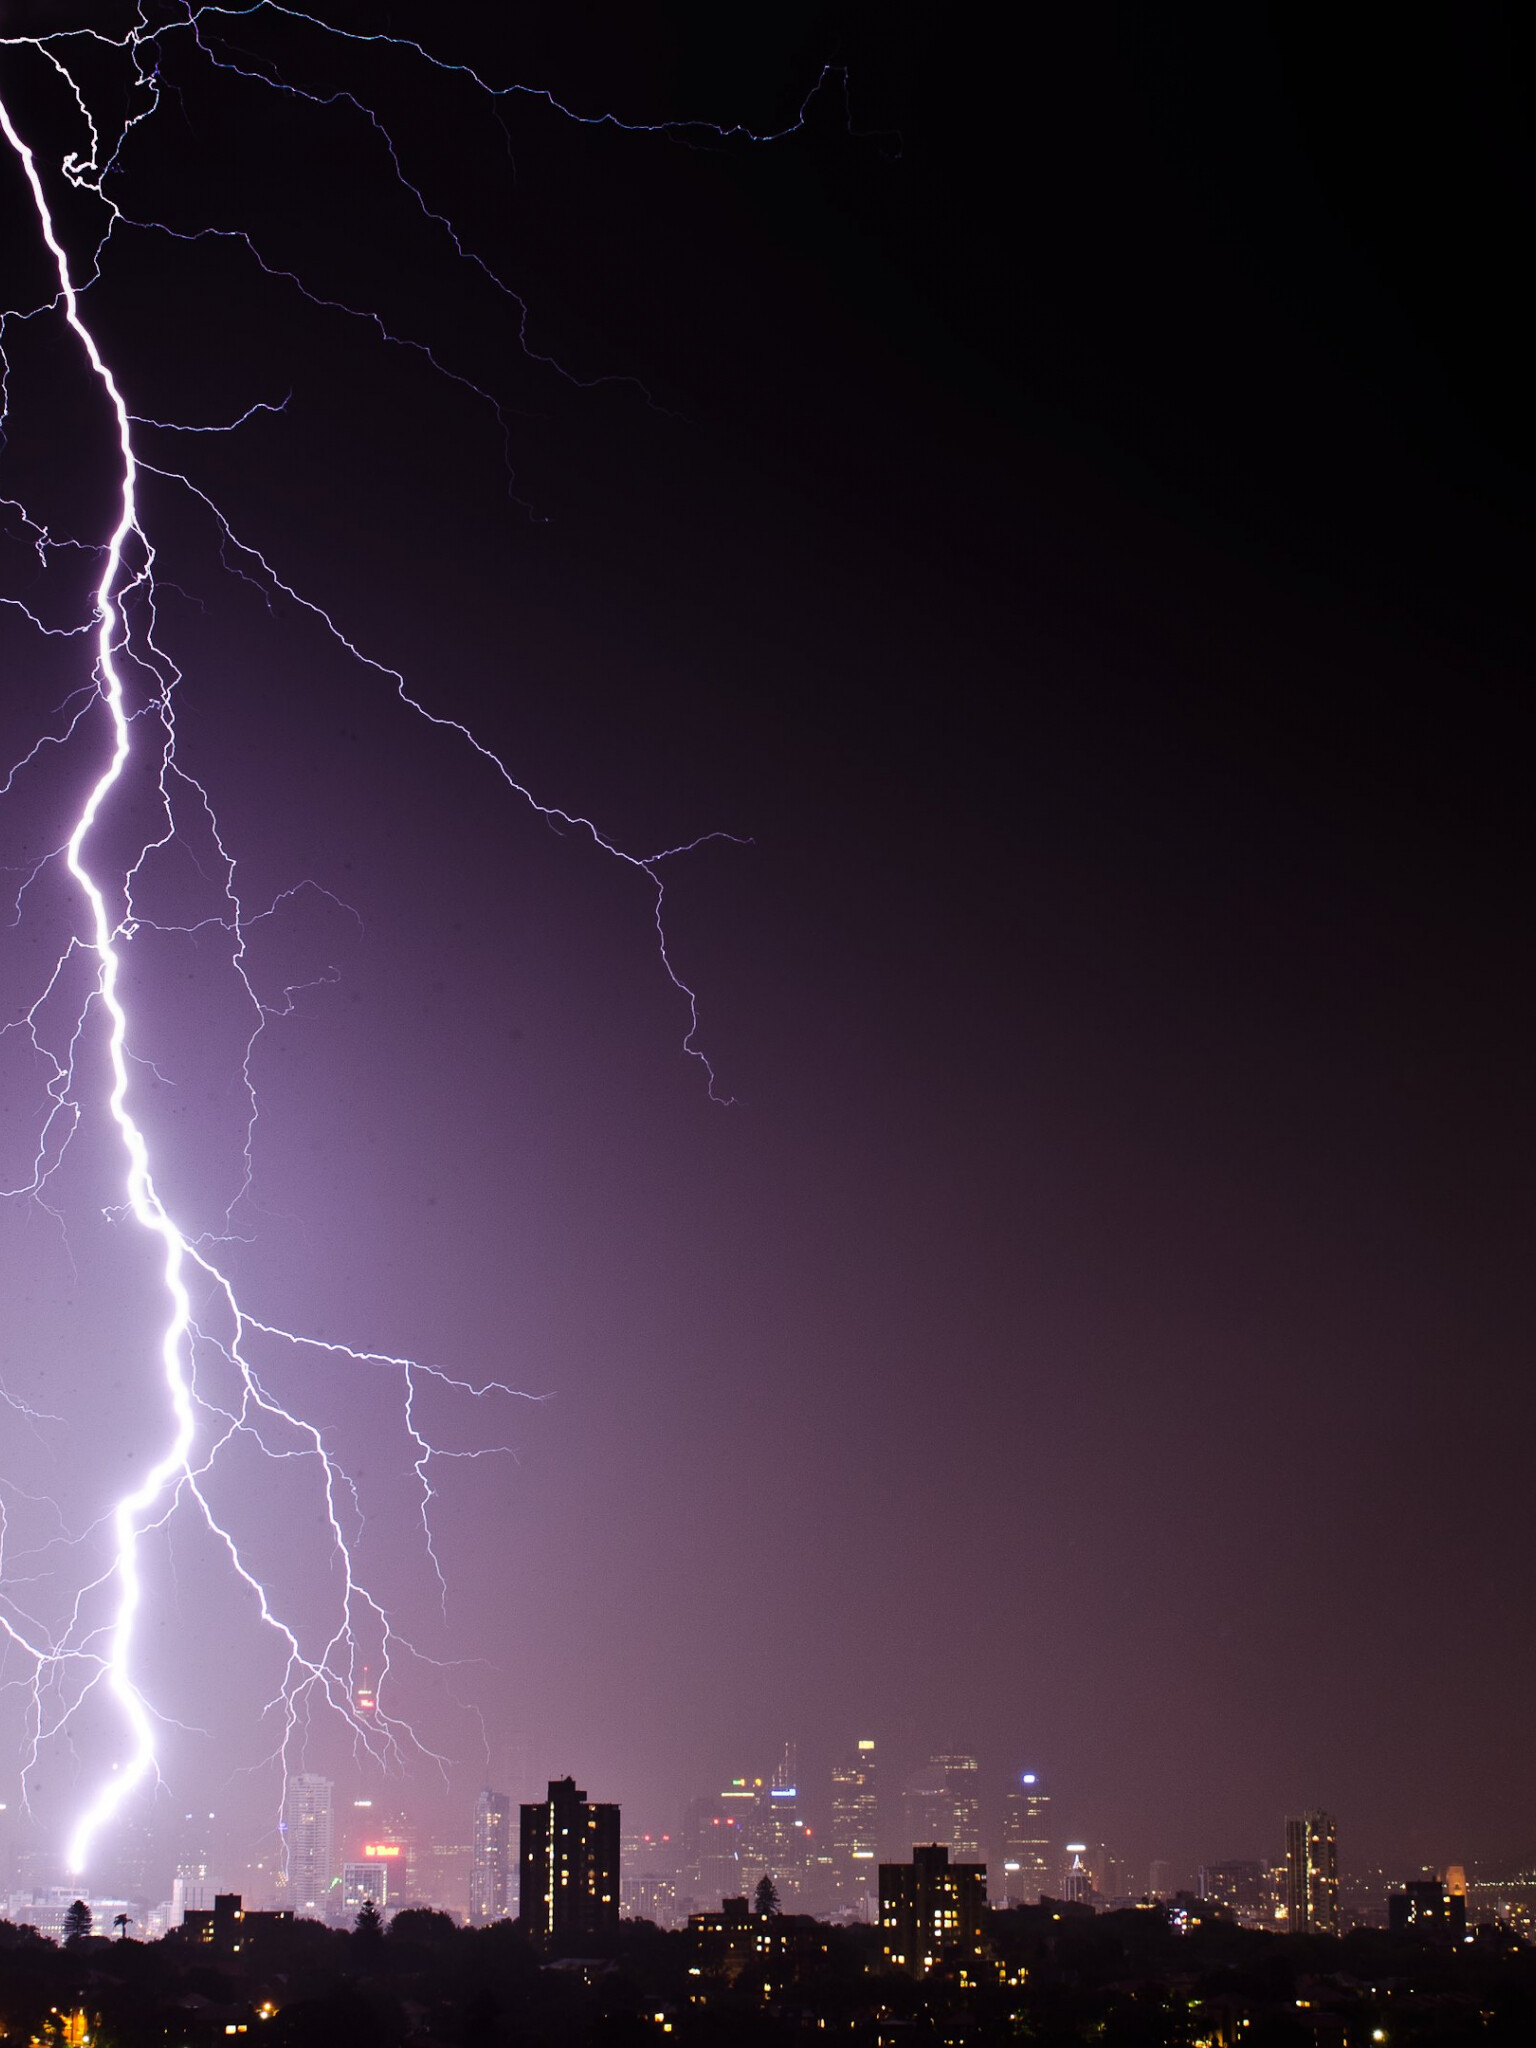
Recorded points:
(765, 1899)
(370, 1922)
(77, 1921)
(122, 1923)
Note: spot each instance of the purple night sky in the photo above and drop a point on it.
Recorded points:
(1068, 508)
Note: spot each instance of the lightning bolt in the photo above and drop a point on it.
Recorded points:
(220, 1388)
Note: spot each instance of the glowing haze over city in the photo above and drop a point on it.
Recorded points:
(764, 959)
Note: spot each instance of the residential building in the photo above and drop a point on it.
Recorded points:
(1431, 1908)
(1312, 1874)
(787, 1945)
(568, 1867)
(931, 1911)
(308, 1864)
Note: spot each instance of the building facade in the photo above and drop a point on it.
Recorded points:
(1242, 1890)
(308, 1855)
(944, 1805)
(1028, 1862)
(1312, 1873)
(568, 1872)
(364, 1883)
(783, 1840)
(931, 1911)
(1430, 1909)
(854, 1837)
(490, 1865)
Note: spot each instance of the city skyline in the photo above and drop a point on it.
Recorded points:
(1051, 540)
(802, 1838)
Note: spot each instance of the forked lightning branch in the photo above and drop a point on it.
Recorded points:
(201, 1362)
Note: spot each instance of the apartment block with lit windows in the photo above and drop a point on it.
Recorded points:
(930, 1912)
(568, 1870)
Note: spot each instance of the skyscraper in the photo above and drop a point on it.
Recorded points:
(782, 1837)
(1028, 1869)
(490, 1859)
(381, 1835)
(711, 1852)
(307, 1846)
(1312, 1874)
(362, 1882)
(855, 1833)
(568, 1869)
(1077, 1885)
(944, 1805)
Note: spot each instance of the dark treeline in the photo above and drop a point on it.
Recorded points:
(1050, 1976)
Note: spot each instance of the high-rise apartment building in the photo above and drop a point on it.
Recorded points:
(1312, 1874)
(490, 1859)
(568, 1869)
(308, 1860)
(1028, 1860)
(930, 1911)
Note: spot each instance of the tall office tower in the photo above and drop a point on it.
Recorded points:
(855, 1832)
(382, 1835)
(783, 1840)
(363, 1883)
(307, 1854)
(1077, 1885)
(1312, 1874)
(930, 1911)
(1106, 1870)
(124, 1861)
(490, 1859)
(190, 1890)
(193, 1887)
(738, 1805)
(1027, 1857)
(711, 1857)
(568, 1869)
(943, 1805)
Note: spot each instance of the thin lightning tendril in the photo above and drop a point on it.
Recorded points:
(217, 1392)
